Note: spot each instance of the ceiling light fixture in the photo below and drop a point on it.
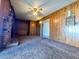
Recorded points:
(35, 13)
(35, 10)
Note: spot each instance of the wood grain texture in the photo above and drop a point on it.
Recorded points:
(32, 28)
(57, 24)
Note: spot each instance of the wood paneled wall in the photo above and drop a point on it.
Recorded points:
(37, 28)
(23, 28)
(32, 28)
(27, 28)
(58, 23)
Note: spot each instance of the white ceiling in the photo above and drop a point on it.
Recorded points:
(22, 10)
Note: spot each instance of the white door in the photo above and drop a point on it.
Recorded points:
(45, 29)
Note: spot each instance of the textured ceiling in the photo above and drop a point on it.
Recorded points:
(22, 10)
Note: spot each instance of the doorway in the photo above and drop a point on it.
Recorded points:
(45, 28)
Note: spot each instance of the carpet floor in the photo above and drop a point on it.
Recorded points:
(36, 49)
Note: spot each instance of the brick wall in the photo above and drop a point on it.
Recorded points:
(5, 22)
